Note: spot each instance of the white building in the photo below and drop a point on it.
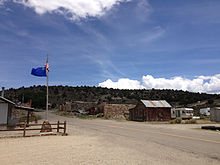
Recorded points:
(184, 113)
(205, 111)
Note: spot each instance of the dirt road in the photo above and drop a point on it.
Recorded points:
(112, 142)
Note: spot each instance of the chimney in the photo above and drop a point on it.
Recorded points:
(3, 91)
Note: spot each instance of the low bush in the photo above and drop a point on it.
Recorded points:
(85, 116)
(99, 115)
(178, 120)
(126, 116)
(172, 121)
(108, 116)
(191, 121)
(205, 117)
(31, 118)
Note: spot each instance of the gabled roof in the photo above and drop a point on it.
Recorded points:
(6, 100)
(24, 108)
(156, 103)
(216, 108)
(16, 106)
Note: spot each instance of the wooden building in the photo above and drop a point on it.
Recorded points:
(151, 110)
(215, 114)
(7, 108)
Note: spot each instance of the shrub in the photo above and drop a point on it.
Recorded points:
(31, 118)
(12, 122)
(126, 116)
(172, 121)
(191, 121)
(99, 115)
(108, 116)
(85, 116)
(178, 120)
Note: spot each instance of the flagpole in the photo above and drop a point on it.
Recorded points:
(47, 91)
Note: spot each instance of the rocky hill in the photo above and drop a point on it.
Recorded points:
(61, 94)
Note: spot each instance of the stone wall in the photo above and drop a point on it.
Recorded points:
(78, 106)
(83, 106)
(116, 111)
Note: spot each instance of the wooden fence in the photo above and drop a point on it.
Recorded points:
(26, 127)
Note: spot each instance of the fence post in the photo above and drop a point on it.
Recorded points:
(58, 126)
(25, 124)
(64, 127)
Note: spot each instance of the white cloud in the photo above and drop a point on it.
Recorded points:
(73, 9)
(122, 83)
(2, 2)
(207, 84)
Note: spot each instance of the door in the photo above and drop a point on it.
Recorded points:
(177, 113)
(3, 113)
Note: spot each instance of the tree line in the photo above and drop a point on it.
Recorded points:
(61, 94)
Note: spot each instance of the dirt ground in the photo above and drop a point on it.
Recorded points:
(96, 145)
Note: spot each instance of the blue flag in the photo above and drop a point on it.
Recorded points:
(41, 72)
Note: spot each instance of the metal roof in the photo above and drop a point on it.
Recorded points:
(16, 106)
(24, 108)
(184, 109)
(216, 108)
(6, 100)
(156, 103)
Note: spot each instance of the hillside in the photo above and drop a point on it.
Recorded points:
(62, 94)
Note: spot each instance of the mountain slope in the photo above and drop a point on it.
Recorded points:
(62, 94)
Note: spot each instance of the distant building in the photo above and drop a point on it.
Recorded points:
(151, 110)
(205, 111)
(5, 110)
(115, 111)
(8, 110)
(79, 107)
(66, 106)
(184, 113)
(215, 114)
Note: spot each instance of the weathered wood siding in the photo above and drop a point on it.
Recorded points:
(138, 113)
(158, 114)
(143, 113)
(3, 113)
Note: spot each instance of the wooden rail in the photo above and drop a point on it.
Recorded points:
(26, 127)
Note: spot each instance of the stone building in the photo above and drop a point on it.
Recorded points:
(115, 111)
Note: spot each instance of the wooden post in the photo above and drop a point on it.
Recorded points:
(25, 124)
(58, 126)
(64, 127)
(28, 117)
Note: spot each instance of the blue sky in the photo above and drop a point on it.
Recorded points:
(131, 43)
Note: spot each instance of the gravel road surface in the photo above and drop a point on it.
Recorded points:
(115, 142)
